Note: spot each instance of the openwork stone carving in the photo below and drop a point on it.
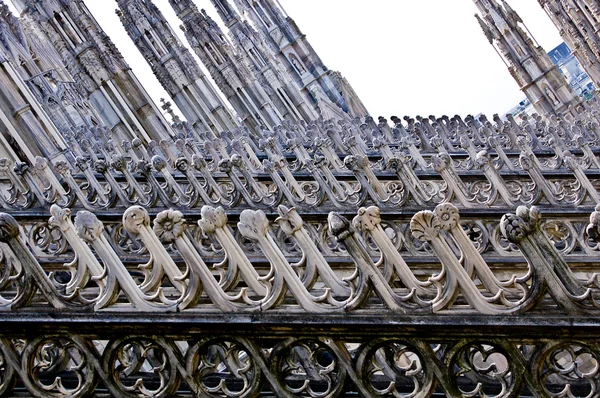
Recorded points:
(299, 255)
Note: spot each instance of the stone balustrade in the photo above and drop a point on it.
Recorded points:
(463, 288)
(346, 266)
(470, 164)
(219, 362)
(411, 258)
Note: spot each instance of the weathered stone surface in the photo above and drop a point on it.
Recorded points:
(298, 248)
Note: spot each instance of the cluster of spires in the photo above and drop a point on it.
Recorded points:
(264, 70)
(529, 64)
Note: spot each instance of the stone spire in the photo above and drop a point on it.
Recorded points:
(227, 13)
(175, 68)
(294, 51)
(98, 67)
(278, 84)
(228, 69)
(29, 88)
(529, 64)
(578, 22)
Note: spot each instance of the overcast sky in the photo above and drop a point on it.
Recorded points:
(403, 57)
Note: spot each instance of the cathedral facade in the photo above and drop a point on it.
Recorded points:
(280, 241)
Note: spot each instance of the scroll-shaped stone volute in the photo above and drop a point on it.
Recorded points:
(145, 168)
(411, 143)
(325, 146)
(20, 196)
(214, 222)
(86, 265)
(246, 144)
(273, 168)
(442, 164)
(368, 221)
(426, 226)
(334, 189)
(26, 175)
(467, 144)
(42, 166)
(169, 226)
(255, 225)
(31, 275)
(574, 166)
(63, 168)
(91, 230)
(529, 163)
(583, 143)
(161, 165)
(117, 162)
(83, 165)
(257, 190)
(101, 167)
(226, 166)
(496, 142)
(291, 223)
(401, 164)
(247, 155)
(359, 165)
(593, 228)
(523, 229)
(484, 162)
(137, 222)
(199, 164)
(368, 273)
(515, 288)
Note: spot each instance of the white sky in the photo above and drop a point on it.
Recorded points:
(403, 57)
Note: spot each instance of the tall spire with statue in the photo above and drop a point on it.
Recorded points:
(540, 80)
(282, 90)
(98, 67)
(297, 55)
(173, 65)
(578, 22)
(248, 98)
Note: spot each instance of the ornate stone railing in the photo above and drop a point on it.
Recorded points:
(470, 324)
(323, 166)
(351, 266)
(357, 259)
(210, 357)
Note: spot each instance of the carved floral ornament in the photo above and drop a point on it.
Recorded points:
(169, 225)
(425, 225)
(212, 219)
(89, 228)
